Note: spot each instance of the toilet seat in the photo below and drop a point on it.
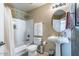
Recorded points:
(32, 48)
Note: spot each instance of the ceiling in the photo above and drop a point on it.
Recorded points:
(26, 6)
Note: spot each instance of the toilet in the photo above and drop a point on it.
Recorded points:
(32, 49)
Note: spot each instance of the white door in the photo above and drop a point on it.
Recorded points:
(1, 29)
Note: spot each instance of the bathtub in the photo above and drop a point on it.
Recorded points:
(20, 50)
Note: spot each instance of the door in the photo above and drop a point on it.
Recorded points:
(1, 29)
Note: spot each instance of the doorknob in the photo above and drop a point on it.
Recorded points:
(1, 43)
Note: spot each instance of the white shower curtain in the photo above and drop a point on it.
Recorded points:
(2, 28)
(9, 34)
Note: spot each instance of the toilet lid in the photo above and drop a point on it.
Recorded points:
(32, 47)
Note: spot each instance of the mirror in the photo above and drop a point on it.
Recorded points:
(59, 20)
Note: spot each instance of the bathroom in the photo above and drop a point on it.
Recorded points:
(32, 24)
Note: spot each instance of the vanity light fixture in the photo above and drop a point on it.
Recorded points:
(59, 5)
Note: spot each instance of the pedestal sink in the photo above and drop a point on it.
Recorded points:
(58, 41)
(55, 39)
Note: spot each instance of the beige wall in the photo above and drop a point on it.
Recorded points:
(44, 14)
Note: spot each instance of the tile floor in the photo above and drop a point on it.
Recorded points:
(44, 54)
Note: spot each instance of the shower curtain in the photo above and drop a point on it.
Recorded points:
(9, 34)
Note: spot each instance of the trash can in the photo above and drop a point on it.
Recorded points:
(66, 49)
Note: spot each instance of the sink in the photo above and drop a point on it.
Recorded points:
(55, 39)
(58, 41)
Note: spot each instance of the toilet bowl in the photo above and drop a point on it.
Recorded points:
(32, 49)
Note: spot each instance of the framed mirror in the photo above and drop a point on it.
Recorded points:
(58, 21)
(59, 14)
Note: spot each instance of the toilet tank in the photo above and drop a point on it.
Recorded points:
(37, 41)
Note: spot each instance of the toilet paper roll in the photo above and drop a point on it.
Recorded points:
(44, 43)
